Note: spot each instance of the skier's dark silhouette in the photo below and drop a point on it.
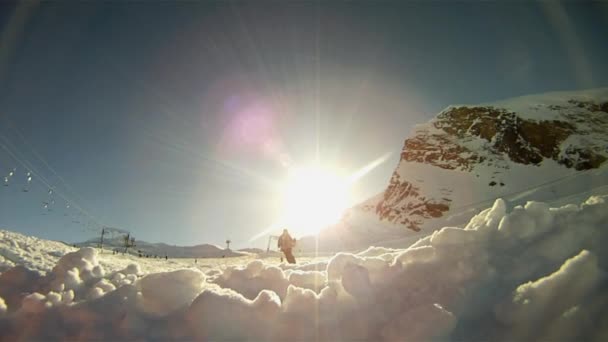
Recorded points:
(286, 243)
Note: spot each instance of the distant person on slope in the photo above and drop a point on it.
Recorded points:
(286, 243)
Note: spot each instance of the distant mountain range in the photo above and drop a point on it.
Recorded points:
(162, 249)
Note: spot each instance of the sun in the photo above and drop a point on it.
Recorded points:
(313, 198)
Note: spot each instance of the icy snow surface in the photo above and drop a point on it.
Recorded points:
(527, 273)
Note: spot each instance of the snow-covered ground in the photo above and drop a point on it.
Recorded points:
(527, 273)
(42, 255)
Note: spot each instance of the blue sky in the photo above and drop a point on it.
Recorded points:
(133, 112)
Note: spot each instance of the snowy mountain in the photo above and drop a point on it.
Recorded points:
(162, 249)
(528, 148)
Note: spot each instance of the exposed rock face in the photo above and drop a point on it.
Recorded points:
(403, 203)
(524, 141)
(473, 139)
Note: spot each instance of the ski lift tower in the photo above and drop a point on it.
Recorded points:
(103, 232)
(110, 233)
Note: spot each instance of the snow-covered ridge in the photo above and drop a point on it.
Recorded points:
(530, 273)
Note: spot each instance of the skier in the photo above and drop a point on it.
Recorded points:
(286, 243)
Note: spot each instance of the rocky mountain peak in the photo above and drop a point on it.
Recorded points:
(486, 143)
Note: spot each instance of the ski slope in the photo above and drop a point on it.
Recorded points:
(41, 255)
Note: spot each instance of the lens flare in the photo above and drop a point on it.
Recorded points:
(313, 198)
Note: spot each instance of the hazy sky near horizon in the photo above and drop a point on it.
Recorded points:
(174, 120)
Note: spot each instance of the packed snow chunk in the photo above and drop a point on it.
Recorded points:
(336, 265)
(595, 209)
(416, 254)
(131, 278)
(356, 281)
(595, 200)
(223, 314)
(298, 299)
(17, 281)
(3, 307)
(518, 224)
(313, 280)
(573, 230)
(67, 297)
(450, 236)
(254, 268)
(376, 251)
(98, 272)
(422, 323)
(254, 278)
(165, 292)
(105, 285)
(541, 214)
(75, 268)
(310, 266)
(72, 279)
(488, 219)
(100, 288)
(118, 277)
(95, 293)
(5, 263)
(53, 297)
(268, 301)
(425, 241)
(83, 259)
(34, 303)
(132, 269)
(549, 297)
(57, 254)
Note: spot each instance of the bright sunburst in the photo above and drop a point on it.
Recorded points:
(313, 198)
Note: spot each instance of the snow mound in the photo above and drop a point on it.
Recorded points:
(185, 285)
(31, 252)
(532, 272)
